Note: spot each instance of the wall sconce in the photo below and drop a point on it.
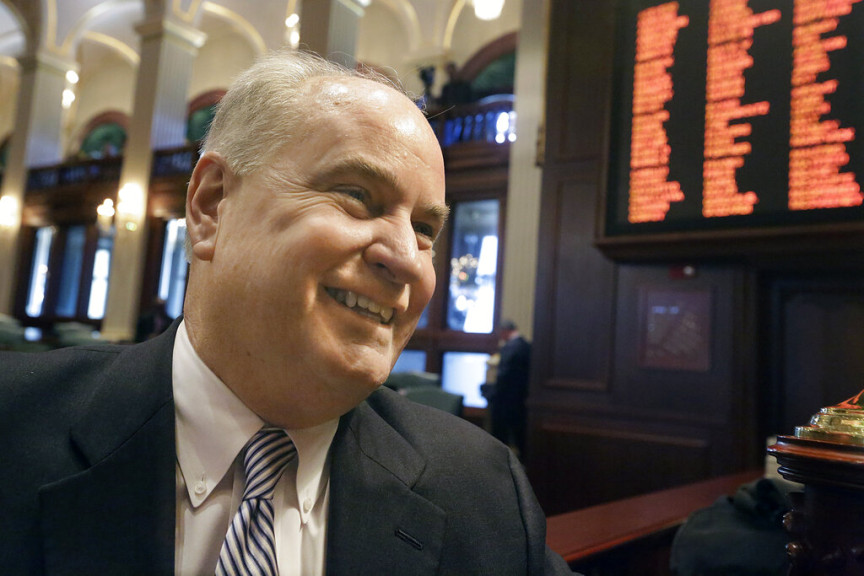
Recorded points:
(105, 217)
(68, 98)
(488, 9)
(69, 92)
(292, 30)
(130, 206)
(9, 213)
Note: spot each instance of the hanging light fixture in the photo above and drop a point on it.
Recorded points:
(292, 30)
(488, 9)
(105, 216)
(130, 205)
(9, 216)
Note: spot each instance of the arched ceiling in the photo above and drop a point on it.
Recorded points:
(428, 23)
(12, 37)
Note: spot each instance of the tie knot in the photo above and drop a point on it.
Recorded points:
(267, 455)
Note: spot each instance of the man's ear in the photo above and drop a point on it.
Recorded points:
(207, 188)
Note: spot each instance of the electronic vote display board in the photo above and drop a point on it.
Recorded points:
(736, 115)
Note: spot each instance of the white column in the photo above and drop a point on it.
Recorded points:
(36, 141)
(168, 50)
(525, 180)
(329, 28)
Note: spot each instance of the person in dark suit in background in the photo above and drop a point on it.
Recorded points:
(311, 217)
(153, 321)
(511, 387)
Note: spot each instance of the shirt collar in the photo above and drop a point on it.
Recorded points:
(213, 425)
(313, 446)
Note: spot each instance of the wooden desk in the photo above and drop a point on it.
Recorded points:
(584, 534)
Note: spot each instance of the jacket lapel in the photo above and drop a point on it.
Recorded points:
(126, 494)
(377, 524)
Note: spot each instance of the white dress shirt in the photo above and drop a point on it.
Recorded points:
(213, 426)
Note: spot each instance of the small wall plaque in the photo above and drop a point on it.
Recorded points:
(675, 329)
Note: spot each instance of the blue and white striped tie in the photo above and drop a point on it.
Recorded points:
(250, 546)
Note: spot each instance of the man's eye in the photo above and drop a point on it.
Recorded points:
(425, 230)
(356, 193)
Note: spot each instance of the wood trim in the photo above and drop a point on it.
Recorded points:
(205, 99)
(587, 409)
(585, 533)
(577, 384)
(643, 437)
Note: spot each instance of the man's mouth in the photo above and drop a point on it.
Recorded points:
(362, 305)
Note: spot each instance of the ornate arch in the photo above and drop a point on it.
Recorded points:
(25, 14)
(244, 27)
(199, 114)
(487, 54)
(69, 44)
(205, 99)
(107, 117)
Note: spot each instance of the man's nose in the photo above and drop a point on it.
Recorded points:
(394, 253)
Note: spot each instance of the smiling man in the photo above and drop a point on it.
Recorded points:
(252, 437)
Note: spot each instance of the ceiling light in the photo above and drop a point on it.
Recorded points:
(488, 9)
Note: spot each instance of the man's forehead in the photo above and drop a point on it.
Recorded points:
(339, 90)
(356, 101)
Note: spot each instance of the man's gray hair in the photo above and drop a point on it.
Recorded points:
(261, 112)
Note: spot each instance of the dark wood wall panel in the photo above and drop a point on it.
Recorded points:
(819, 322)
(692, 373)
(651, 375)
(642, 455)
(579, 40)
(615, 410)
(583, 288)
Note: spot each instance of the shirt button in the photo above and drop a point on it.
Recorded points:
(200, 488)
(307, 505)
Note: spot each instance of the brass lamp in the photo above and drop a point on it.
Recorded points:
(827, 456)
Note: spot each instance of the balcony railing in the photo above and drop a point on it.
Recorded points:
(174, 162)
(489, 120)
(74, 173)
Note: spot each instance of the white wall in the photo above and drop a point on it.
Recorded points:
(108, 86)
(382, 41)
(470, 34)
(220, 59)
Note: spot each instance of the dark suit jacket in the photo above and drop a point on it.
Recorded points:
(513, 372)
(87, 482)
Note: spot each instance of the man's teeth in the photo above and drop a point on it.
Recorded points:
(359, 302)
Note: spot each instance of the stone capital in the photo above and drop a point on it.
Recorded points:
(48, 61)
(180, 31)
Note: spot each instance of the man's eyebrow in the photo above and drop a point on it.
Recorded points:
(359, 166)
(437, 212)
